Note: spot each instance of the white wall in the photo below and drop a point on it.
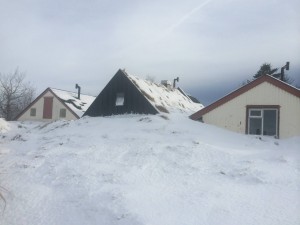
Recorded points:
(39, 105)
(232, 115)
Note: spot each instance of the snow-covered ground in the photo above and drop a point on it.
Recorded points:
(145, 170)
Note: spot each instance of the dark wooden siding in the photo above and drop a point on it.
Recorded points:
(134, 101)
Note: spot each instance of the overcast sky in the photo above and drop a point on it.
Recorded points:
(212, 45)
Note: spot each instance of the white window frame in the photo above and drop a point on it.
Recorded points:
(255, 116)
(262, 118)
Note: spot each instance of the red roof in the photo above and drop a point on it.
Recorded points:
(265, 78)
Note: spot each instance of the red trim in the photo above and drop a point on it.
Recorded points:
(266, 78)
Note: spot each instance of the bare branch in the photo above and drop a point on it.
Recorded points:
(15, 95)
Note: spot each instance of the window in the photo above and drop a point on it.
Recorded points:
(33, 112)
(120, 99)
(263, 121)
(62, 113)
(254, 112)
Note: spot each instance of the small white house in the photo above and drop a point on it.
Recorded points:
(54, 104)
(265, 106)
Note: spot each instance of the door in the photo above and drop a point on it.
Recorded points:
(48, 105)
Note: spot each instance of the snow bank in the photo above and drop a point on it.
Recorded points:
(3, 125)
(154, 170)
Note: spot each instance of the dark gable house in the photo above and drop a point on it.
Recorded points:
(125, 93)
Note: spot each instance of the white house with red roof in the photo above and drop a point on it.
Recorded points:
(265, 106)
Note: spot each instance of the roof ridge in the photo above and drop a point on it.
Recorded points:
(160, 96)
(144, 79)
(292, 86)
(241, 90)
(70, 91)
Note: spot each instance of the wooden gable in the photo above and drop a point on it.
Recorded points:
(109, 101)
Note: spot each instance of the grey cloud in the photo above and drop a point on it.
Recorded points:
(58, 43)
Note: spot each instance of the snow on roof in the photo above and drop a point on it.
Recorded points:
(162, 98)
(78, 106)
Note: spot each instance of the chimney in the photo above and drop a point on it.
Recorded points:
(282, 73)
(176, 79)
(287, 67)
(78, 87)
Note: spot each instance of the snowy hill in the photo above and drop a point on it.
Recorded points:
(145, 170)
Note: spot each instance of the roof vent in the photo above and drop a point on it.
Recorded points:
(167, 84)
(78, 87)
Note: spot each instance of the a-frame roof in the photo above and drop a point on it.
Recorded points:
(70, 99)
(265, 78)
(143, 96)
(76, 106)
(161, 97)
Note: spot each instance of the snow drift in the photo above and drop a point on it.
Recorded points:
(138, 170)
(3, 125)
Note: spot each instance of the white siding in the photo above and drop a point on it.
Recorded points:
(39, 105)
(232, 115)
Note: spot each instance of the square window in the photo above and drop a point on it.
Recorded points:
(255, 112)
(120, 99)
(263, 121)
(62, 113)
(33, 112)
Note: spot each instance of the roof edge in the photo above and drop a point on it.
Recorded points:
(73, 92)
(61, 101)
(264, 78)
(139, 89)
(32, 103)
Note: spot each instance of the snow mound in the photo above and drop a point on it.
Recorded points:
(4, 126)
(146, 169)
